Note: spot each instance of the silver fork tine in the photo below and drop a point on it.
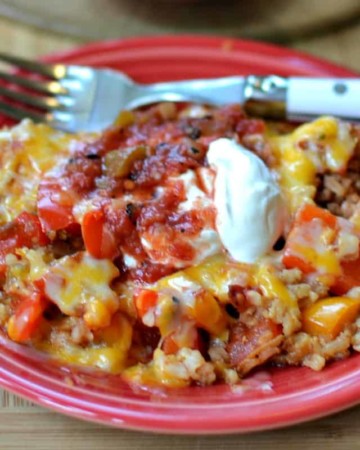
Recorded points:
(20, 113)
(45, 87)
(56, 71)
(48, 103)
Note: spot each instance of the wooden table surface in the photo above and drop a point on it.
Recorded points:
(25, 426)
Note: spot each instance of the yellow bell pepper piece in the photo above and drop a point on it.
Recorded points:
(118, 163)
(124, 119)
(207, 313)
(328, 317)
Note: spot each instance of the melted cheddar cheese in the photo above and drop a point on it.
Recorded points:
(108, 351)
(324, 145)
(26, 152)
(79, 285)
(181, 315)
(272, 286)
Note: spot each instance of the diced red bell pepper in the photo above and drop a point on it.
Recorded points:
(99, 240)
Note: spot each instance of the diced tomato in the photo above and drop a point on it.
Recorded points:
(349, 279)
(250, 126)
(98, 238)
(57, 194)
(27, 317)
(145, 300)
(147, 272)
(24, 231)
(55, 205)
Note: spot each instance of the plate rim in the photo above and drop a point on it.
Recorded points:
(348, 395)
(281, 51)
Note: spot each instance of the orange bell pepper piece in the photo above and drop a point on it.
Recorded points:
(291, 261)
(301, 237)
(169, 345)
(185, 336)
(145, 300)
(27, 317)
(309, 212)
(207, 313)
(328, 317)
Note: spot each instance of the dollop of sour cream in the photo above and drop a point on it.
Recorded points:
(250, 211)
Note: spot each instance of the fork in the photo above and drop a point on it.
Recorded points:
(79, 98)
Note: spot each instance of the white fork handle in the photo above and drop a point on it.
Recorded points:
(309, 97)
(301, 99)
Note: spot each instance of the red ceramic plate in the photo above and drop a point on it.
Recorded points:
(270, 399)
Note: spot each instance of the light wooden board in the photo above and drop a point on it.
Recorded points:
(24, 426)
(33, 428)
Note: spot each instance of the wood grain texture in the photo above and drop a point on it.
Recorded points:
(340, 47)
(37, 429)
(26, 426)
(261, 19)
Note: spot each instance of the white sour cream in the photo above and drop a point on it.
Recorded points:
(250, 209)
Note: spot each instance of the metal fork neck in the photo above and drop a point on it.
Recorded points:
(265, 96)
